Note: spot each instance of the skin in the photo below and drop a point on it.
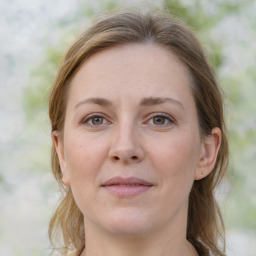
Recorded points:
(133, 135)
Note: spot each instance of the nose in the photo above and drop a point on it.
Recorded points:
(126, 147)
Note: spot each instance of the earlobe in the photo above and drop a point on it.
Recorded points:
(209, 153)
(59, 147)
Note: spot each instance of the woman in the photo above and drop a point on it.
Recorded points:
(139, 141)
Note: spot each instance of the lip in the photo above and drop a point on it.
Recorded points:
(126, 187)
(126, 181)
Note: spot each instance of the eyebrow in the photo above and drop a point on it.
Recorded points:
(150, 101)
(98, 101)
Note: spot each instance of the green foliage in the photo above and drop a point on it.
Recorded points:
(201, 23)
(194, 16)
(42, 77)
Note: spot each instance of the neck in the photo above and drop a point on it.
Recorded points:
(166, 241)
(142, 247)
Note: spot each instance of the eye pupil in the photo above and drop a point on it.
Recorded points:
(159, 120)
(97, 120)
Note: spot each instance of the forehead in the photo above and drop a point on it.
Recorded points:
(131, 71)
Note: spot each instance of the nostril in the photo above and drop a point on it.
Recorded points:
(124, 157)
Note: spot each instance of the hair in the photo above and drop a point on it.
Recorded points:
(205, 228)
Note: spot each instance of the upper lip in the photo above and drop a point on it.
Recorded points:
(126, 181)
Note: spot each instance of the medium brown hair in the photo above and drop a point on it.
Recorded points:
(205, 229)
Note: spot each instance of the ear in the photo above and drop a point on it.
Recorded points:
(59, 147)
(209, 153)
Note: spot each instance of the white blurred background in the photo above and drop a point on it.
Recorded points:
(34, 34)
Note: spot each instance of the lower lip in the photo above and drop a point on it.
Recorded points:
(126, 191)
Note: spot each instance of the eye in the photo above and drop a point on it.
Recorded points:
(160, 120)
(95, 120)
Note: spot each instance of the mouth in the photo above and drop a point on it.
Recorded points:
(126, 187)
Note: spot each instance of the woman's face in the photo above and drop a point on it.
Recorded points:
(131, 147)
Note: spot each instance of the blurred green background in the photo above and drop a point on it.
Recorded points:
(34, 38)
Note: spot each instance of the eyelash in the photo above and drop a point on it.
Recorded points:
(90, 117)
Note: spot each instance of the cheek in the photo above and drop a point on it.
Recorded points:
(82, 151)
(84, 160)
(177, 155)
(83, 164)
(175, 161)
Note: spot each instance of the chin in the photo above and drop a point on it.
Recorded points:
(128, 223)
